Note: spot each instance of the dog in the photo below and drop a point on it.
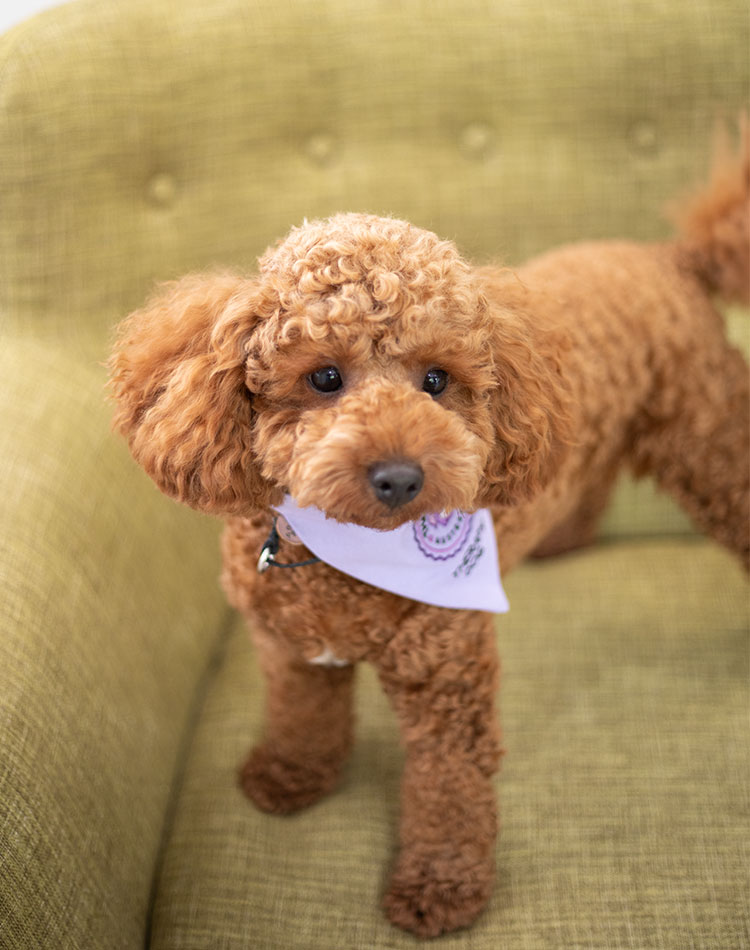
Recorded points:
(369, 396)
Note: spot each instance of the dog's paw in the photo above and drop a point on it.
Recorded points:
(280, 786)
(429, 906)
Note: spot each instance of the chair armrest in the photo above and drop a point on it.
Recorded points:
(111, 612)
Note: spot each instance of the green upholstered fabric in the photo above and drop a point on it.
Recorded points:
(108, 613)
(139, 140)
(622, 793)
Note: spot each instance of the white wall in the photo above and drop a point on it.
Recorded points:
(13, 11)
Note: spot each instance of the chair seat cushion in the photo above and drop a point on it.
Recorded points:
(624, 705)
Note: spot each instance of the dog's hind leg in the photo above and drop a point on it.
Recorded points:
(695, 441)
(308, 731)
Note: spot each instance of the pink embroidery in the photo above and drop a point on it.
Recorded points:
(443, 536)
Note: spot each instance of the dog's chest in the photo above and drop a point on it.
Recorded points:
(328, 658)
(327, 618)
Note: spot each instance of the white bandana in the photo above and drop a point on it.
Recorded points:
(449, 560)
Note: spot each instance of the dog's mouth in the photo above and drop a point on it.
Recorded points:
(372, 512)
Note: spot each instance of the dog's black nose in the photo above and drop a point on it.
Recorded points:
(397, 482)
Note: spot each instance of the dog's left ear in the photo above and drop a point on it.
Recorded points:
(529, 407)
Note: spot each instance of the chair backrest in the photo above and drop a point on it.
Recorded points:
(141, 140)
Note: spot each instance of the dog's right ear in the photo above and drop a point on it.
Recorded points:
(178, 379)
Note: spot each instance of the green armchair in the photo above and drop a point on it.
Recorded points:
(139, 141)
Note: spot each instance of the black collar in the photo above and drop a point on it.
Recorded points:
(270, 550)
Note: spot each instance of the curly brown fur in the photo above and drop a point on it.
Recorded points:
(585, 360)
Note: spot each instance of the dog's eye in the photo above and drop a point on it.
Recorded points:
(326, 380)
(435, 382)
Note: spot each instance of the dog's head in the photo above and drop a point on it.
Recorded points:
(362, 371)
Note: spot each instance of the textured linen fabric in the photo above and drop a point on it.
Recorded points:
(623, 793)
(106, 627)
(140, 140)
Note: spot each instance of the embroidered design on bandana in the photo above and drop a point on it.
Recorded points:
(448, 559)
(442, 536)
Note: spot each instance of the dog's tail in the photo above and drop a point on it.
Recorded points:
(714, 223)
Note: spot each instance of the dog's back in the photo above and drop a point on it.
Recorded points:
(654, 384)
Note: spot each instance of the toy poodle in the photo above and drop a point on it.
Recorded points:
(366, 410)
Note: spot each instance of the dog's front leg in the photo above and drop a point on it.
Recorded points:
(308, 730)
(442, 682)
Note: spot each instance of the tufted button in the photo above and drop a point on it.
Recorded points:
(162, 190)
(476, 140)
(644, 137)
(320, 148)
